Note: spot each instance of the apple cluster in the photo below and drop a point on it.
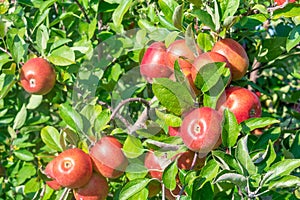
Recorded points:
(201, 128)
(87, 173)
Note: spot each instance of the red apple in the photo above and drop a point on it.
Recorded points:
(180, 51)
(173, 131)
(174, 194)
(207, 58)
(185, 160)
(72, 168)
(155, 165)
(242, 102)
(49, 172)
(108, 157)
(201, 129)
(37, 76)
(235, 54)
(154, 62)
(96, 189)
(280, 2)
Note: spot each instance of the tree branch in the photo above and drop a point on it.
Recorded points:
(83, 11)
(122, 103)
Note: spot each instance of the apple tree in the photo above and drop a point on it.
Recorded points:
(123, 99)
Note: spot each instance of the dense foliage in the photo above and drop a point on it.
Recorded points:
(96, 48)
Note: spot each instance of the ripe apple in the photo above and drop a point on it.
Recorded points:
(179, 50)
(242, 102)
(201, 129)
(49, 172)
(96, 189)
(280, 2)
(154, 62)
(108, 157)
(72, 168)
(37, 76)
(207, 58)
(185, 160)
(235, 54)
(155, 165)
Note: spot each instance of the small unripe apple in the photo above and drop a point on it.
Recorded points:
(49, 172)
(242, 102)
(235, 54)
(207, 58)
(72, 168)
(37, 76)
(108, 157)
(201, 130)
(154, 63)
(96, 189)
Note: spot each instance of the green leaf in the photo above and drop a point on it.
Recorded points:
(133, 187)
(267, 158)
(27, 171)
(6, 83)
(34, 101)
(102, 120)
(62, 56)
(32, 186)
(18, 49)
(136, 170)
(169, 119)
(254, 123)
(229, 8)
(207, 174)
(174, 96)
(141, 195)
(120, 11)
(71, 117)
(242, 155)
(24, 155)
(209, 75)
(42, 38)
(51, 137)
(204, 17)
(231, 130)
(290, 10)
(20, 118)
(237, 179)
(295, 146)
(281, 168)
(190, 40)
(168, 7)
(293, 38)
(227, 161)
(286, 181)
(132, 147)
(178, 17)
(169, 175)
(205, 41)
